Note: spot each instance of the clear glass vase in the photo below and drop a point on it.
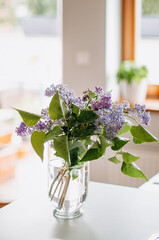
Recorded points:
(67, 188)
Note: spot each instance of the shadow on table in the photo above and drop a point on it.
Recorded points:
(73, 229)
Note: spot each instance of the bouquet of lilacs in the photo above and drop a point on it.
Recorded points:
(80, 129)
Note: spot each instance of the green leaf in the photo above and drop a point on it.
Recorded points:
(81, 131)
(65, 110)
(61, 147)
(132, 170)
(88, 141)
(75, 109)
(119, 142)
(75, 174)
(29, 119)
(53, 133)
(55, 108)
(56, 154)
(74, 156)
(136, 141)
(114, 160)
(93, 153)
(104, 143)
(92, 95)
(78, 144)
(125, 129)
(72, 122)
(37, 141)
(87, 116)
(128, 157)
(142, 134)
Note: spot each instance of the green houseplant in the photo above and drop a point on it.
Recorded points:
(79, 130)
(132, 80)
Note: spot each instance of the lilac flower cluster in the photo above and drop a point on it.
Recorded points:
(104, 102)
(65, 94)
(50, 91)
(44, 124)
(112, 119)
(139, 111)
(22, 130)
(111, 115)
(126, 105)
(98, 90)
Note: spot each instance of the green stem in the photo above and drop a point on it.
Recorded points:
(131, 118)
(60, 172)
(62, 175)
(62, 198)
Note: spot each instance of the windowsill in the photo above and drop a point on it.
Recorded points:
(152, 104)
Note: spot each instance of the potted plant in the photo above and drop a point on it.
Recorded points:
(79, 130)
(132, 82)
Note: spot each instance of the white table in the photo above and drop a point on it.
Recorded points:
(111, 212)
(152, 184)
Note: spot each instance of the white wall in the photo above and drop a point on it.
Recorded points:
(113, 44)
(83, 44)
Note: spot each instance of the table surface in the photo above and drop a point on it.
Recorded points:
(111, 212)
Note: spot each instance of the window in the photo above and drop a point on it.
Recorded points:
(30, 44)
(30, 60)
(148, 40)
(150, 19)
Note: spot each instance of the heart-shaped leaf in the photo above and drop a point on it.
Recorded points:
(104, 143)
(75, 109)
(128, 157)
(142, 134)
(114, 160)
(136, 141)
(65, 110)
(93, 153)
(87, 116)
(61, 147)
(119, 142)
(53, 133)
(30, 119)
(125, 129)
(132, 170)
(55, 108)
(37, 141)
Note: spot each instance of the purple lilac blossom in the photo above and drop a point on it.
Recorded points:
(98, 90)
(104, 102)
(50, 91)
(78, 102)
(117, 120)
(140, 112)
(111, 115)
(40, 126)
(145, 118)
(22, 130)
(139, 109)
(98, 128)
(45, 113)
(126, 104)
(112, 119)
(65, 94)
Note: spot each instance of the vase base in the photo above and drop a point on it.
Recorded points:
(58, 214)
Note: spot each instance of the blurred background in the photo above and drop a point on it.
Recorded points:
(80, 43)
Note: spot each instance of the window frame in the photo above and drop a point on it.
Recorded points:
(129, 37)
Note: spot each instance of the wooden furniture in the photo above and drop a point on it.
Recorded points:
(111, 212)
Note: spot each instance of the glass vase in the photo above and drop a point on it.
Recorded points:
(67, 188)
